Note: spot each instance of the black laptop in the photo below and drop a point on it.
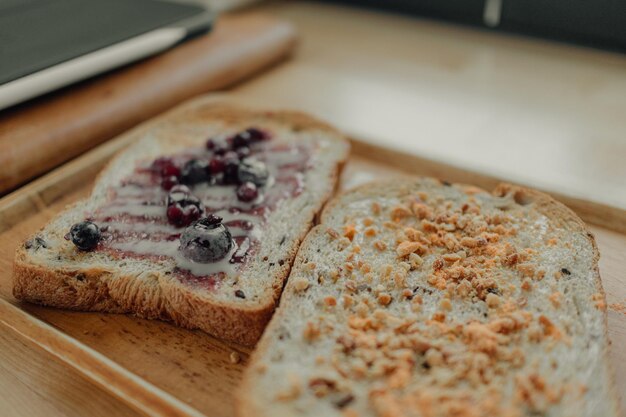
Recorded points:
(48, 44)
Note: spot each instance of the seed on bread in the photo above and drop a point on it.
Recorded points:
(311, 331)
(370, 231)
(406, 248)
(556, 299)
(332, 233)
(380, 245)
(492, 300)
(330, 301)
(300, 284)
(343, 243)
(384, 298)
(349, 231)
(400, 212)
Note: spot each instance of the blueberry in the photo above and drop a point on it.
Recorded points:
(195, 171)
(180, 194)
(243, 152)
(241, 139)
(85, 235)
(220, 148)
(231, 168)
(247, 192)
(183, 208)
(212, 219)
(180, 189)
(206, 240)
(231, 155)
(248, 137)
(183, 215)
(217, 165)
(254, 171)
(257, 135)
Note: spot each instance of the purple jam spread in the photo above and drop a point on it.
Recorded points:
(239, 182)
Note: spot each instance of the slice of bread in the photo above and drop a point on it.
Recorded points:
(426, 299)
(49, 270)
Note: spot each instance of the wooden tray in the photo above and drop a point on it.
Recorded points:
(163, 370)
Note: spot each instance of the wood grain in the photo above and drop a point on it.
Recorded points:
(35, 384)
(40, 135)
(542, 114)
(184, 371)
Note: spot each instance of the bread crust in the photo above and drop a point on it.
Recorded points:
(99, 290)
(545, 204)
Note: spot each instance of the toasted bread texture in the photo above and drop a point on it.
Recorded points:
(427, 299)
(49, 270)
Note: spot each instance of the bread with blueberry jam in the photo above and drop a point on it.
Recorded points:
(197, 222)
(420, 298)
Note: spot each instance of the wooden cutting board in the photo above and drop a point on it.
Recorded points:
(40, 135)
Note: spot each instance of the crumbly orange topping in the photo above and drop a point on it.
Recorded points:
(420, 357)
(349, 231)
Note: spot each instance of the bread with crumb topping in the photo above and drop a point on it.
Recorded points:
(428, 299)
(51, 271)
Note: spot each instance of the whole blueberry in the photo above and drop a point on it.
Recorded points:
(180, 189)
(221, 148)
(181, 194)
(257, 135)
(212, 219)
(248, 137)
(206, 240)
(195, 171)
(254, 171)
(85, 235)
(243, 152)
(231, 168)
(181, 216)
(241, 139)
(247, 192)
(183, 207)
(217, 165)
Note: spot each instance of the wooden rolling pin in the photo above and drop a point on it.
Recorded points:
(40, 135)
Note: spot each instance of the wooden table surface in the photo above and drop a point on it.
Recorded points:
(546, 114)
